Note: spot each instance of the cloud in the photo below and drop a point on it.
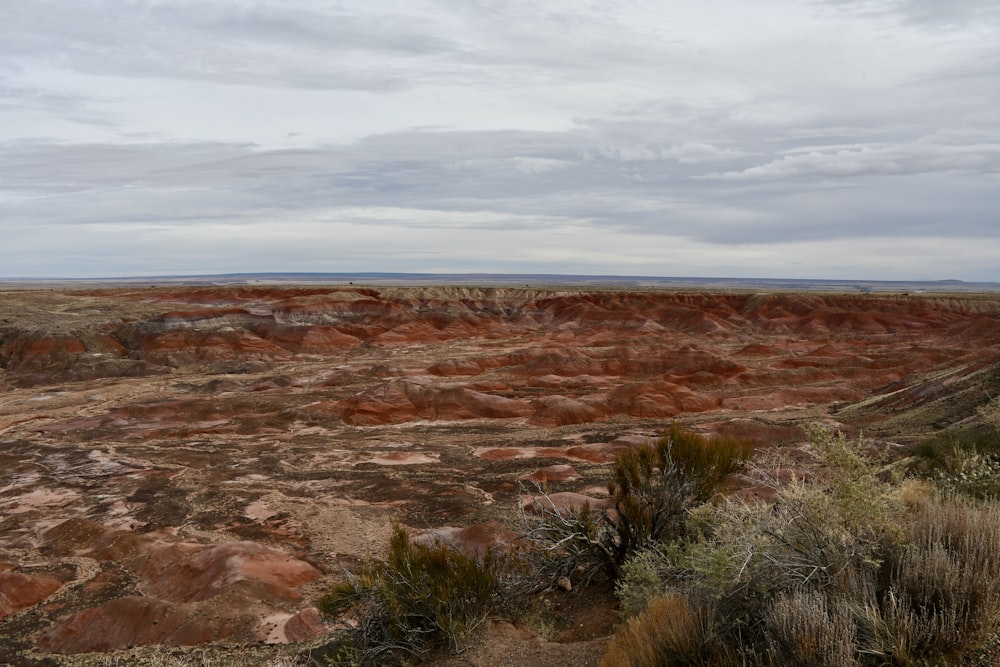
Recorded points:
(863, 160)
(955, 14)
(422, 135)
(223, 42)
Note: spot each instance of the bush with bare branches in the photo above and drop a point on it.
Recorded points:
(651, 489)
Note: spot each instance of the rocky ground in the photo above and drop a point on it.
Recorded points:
(193, 466)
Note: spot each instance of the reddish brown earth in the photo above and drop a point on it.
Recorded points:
(193, 466)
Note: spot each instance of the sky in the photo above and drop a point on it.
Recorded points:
(719, 138)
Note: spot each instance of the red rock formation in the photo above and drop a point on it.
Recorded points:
(559, 472)
(184, 572)
(191, 593)
(19, 590)
(408, 399)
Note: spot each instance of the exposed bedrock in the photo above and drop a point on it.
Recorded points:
(196, 464)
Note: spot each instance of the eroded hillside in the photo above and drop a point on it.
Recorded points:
(192, 465)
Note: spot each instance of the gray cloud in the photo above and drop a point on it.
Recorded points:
(233, 43)
(801, 139)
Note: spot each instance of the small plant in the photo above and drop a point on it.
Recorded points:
(651, 489)
(965, 462)
(641, 581)
(804, 630)
(419, 599)
(671, 632)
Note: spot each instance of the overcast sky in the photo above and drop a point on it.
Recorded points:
(781, 138)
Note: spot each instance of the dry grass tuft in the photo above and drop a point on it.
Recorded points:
(670, 632)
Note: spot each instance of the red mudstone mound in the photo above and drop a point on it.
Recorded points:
(35, 358)
(559, 472)
(181, 347)
(186, 572)
(659, 399)
(306, 339)
(606, 452)
(399, 401)
(20, 590)
(191, 593)
(560, 411)
(473, 540)
(74, 536)
(565, 501)
(36, 351)
(304, 625)
(141, 621)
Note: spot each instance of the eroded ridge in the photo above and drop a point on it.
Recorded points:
(192, 465)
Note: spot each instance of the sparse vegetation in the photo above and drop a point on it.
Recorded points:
(164, 656)
(672, 631)
(841, 570)
(421, 598)
(989, 414)
(651, 489)
(965, 462)
(641, 581)
(847, 566)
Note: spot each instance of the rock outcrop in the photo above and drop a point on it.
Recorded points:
(188, 465)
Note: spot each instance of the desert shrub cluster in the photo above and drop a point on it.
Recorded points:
(422, 598)
(965, 462)
(651, 489)
(851, 567)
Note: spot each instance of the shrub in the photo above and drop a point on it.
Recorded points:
(420, 598)
(670, 632)
(837, 571)
(944, 595)
(804, 630)
(816, 531)
(651, 489)
(964, 462)
(641, 581)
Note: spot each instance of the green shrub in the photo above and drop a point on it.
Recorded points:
(653, 485)
(836, 571)
(419, 599)
(651, 488)
(704, 461)
(944, 594)
(965, 462)
(641, 581)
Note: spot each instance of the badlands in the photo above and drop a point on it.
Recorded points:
(194, 466)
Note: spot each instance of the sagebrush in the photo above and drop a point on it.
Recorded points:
(652, 487)
(839, 570)
(419, 599)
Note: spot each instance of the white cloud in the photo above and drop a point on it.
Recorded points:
(859, 161)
